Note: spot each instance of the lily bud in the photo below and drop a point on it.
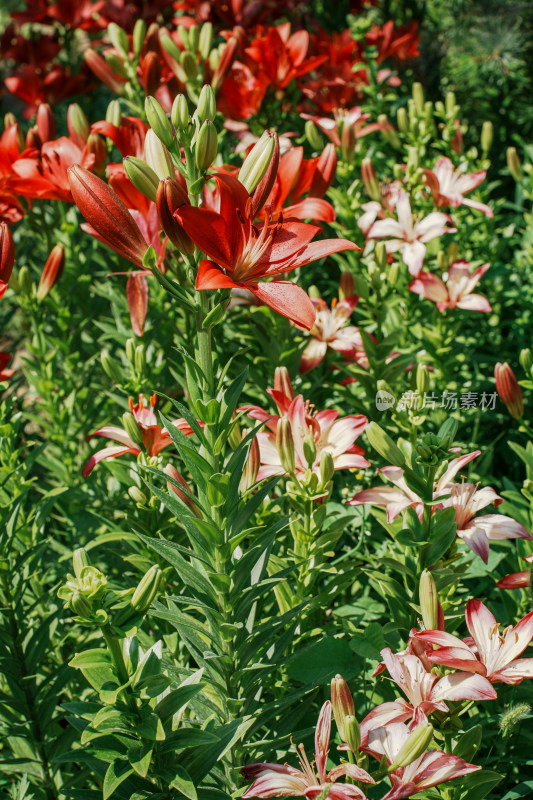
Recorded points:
(257, 161)
(139, 35)
(7, 256)
(205, 40)
(514, 165)
(487, 134)
(170, 196)
(348, 140)
(188, 64)
(108, 217)
(33, 140)
(207, 105)
(429, 601)
(113, 113)
(180, 113)
(45, 122)
(9, 120)
(194, 38)
(327, 467)
(313, 135)
(418, 97)
(96, 146)
(450, 103)
(119, 39)
(142, 176)
(206, 146)
(173, 473)
(309, 449)
(52, 271)
(352, 733)
(285, 445)
(346, 286)
(264, 187)
(283, 383)
(80, 559)
(147, 589)
(393, 274)
(447, 432)
(342, 703)
(251, 468)
(158, 157)
(111, 367)
(326, 168)
(103, 71)
(24, 281)
(388, 132)
(384, 445)
(183, 34)
(137, 496)
(422, 379)
(132, 428)
(508, 389)
(526, 360)
(380, 253)
(402, 119)
(158, 121)
(370, 180)
(151, 72)
(414, 746)
(224, 63)
(140, 359)
(79, 604)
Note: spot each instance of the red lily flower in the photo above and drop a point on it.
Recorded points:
(298, 176)
(7, 256)
(44, 175)
(242, 254)
(5, 374)
(128, 138)
(400, 44)
(35, 86)
(283, 57)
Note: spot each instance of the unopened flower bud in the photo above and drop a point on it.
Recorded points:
(487, 134)
(51, 271)
(170, 196)
(139, 35)
(384, 445)
(111, 367)
(346, 286)
(392, 275)
(151, 72)
(119, 39)
(91, 582)
(447, 432)
(137, 496)
(116, 64)
(285, 445)
(422, 379)
(348, 140)
(7, 256)
(514, 165)
(342, 703)
(450, 103)
(388, 132)
(309, 449)
(142, 176)
(24, 281)
(414, 746)
(147, 589)
(130, 351)
(140, 359)
(45, 123)
(352, 733)
(132, 428)
(402, 120)
(205, 40)
(381, 256)
(283, 383)
(183, 34)
(194, 38)
(33, 140)
(508, 389)
(370, 179)
(206, 146)
(80, 559)
(228, 51)
(158, 121)
(158, 157)
(103, 71)
(526, 360)
(418, 97)
(251, 468)
(313, 135)
(113, 113)
(188, 64)
(429, 601)
(180, 113)
(96, 147)
(80, 605)
(9, 119)
(257, 162)
(207, 105)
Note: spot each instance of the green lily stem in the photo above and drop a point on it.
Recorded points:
(115, 650)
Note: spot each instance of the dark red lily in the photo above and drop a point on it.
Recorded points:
(242, 253)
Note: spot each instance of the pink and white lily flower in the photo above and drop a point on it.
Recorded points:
(456, 292)
(352, 118)
(517, 580)
(330, 330)
(281, 780)
(407, 236)
(155, 438)
(488, 653)
(425, 692)
(448, 186)
(430, 769)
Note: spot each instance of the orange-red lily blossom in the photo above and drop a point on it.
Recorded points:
(7, 256)
(5, 374)
(297, 177)
(243, 253)
(109, 219)
(282, 56)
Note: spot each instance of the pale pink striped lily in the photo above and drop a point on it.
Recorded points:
(488, 653)
(430, 769)
(448, 185)
(407, 236)
(281, 780)
(330, 330)
(425, 692)
(456, 292)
